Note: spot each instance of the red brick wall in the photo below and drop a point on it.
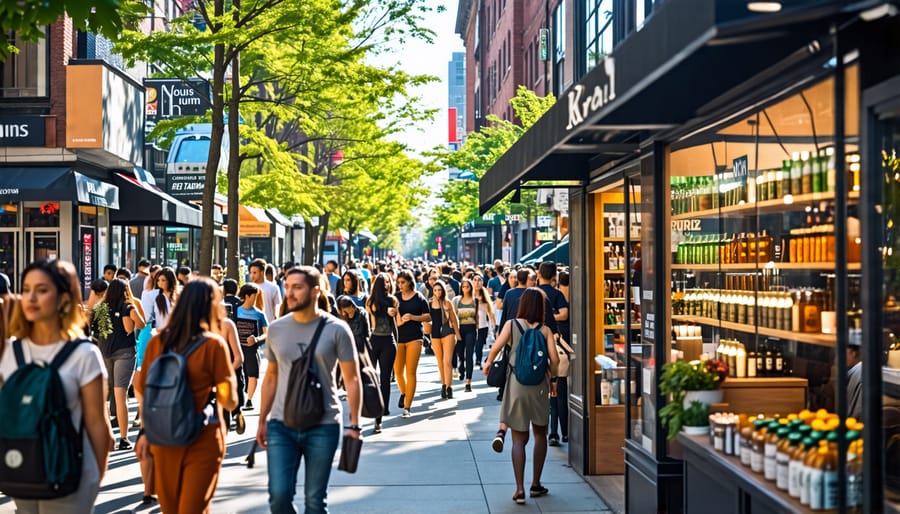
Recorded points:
(62, 41)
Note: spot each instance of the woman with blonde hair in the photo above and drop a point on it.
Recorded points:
(48, 319)
(444, 333)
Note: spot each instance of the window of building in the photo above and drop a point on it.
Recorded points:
(24, 74)
(559, 48)
(598, 30)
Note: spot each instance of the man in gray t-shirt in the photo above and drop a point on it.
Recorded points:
(287, 338)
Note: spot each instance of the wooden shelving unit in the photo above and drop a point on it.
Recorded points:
(815, 266)
(811, 338)
(788, 203)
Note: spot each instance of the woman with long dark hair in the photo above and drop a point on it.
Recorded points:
(412, 310)
(444, 334)
(466, 307)
(186, 476)
(114, 321)
(158, 302)
(526, 405)
(350, 280)
(382, 308)
(486, 319)
(48, 317)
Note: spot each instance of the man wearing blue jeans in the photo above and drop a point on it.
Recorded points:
(288, 337)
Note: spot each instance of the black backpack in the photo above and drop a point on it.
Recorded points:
(169, 416)
(40, 450)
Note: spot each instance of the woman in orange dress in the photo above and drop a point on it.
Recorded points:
(186, 476)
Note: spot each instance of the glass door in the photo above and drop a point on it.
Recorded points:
(41, 245)
(9, 246)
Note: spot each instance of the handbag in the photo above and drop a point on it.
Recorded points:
(304, 402)
(372, 402)
(566, 355)
(496, 376)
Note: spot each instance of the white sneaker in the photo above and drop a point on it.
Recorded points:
(405, 413)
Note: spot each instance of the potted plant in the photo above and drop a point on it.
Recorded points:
(685, 383)
(696, 419)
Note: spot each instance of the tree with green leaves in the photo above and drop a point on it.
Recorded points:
(459, 198)
(27, 19)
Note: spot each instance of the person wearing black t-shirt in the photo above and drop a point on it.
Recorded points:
(413, 310)
(557, 310)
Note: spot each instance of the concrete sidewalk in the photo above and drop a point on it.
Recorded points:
(437, 461)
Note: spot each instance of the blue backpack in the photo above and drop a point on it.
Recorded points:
(532, 359)
(40, 449)
(169, 416)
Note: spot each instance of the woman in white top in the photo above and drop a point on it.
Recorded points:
(487, 321)
(48, 317)
(158, 302)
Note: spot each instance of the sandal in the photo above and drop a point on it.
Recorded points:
(519, 498)
(537, 491)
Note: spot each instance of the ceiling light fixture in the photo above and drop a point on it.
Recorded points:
(767, 7)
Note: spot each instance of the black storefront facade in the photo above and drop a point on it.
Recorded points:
(705, 90)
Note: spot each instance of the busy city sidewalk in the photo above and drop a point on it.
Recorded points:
(438, 460)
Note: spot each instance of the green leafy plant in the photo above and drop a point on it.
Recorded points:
(697, 415)
(100, 314)
(677, 379)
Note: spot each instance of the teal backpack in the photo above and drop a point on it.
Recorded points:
(40, 450)
(532, 359)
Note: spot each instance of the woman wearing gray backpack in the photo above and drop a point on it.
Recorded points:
(526, 405)
(45, 322)
(186, 476)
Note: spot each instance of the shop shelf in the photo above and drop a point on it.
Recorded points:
(794, 203)
(614, 300)
(621, 327)
(818, 266)
(819, 339)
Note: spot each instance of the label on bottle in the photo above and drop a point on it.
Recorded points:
(746, 454)
(769, 364)
(769, 469)
(794, 469)
(751, 367)
(756, 461)
(604, 392)
(854, 490)
(804, 484)
(779, 364)
(830, 492)
(782, 461)
(815, 480)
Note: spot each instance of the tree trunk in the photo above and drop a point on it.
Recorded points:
(310, 248)
(234, 163)
(215, 152)
(323, 227)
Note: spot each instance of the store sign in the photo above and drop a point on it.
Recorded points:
(544, 221)
(96, 192)
(583, 102)
(87, 254)
(176, 98)
(740, 167)
(472, 235)
(186, 186)
(545, 44)
(22, 131)
(545, 236)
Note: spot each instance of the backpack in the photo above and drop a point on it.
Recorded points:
(169, 417)
(41, 450)
(532, 359)
(304, 401)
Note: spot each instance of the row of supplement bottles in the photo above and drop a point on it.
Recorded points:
(766, 361)
(614, 258)
(614, 289)
(806, 172)
(798, 310)
(743, 248)
(799, 454)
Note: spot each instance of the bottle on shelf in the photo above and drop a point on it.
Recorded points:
(751, 364)
(796, 174)
(806, 172)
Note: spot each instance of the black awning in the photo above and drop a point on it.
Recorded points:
(145, 206)
(688, 54)
(55, 184)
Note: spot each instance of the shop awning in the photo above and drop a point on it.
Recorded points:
(689, 57)
(276, 216)
(559, 255)
(254, 222)
(366, 233)
(19, 184)
(144, 205)
(545, 246)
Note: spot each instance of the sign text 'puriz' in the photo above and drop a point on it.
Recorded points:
(584, 102)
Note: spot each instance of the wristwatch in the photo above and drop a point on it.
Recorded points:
(356, 428)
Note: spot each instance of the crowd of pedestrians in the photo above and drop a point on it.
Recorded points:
(385, 313)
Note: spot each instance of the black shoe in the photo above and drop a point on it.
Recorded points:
(538, 491)
(147, 501)
(565, 439)
(443, 392)
(553, 440)
(124, 444)
(402, 402)
(248, 405)
(468, 388)
(497, 443)
(449, 393)
(499, 397)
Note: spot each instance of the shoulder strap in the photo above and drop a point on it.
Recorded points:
(315, 338)
(193, 346)
(17, 349)
(66, 351)
(514, 340)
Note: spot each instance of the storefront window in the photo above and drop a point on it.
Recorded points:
(87, 215)
(9, 215)
(44, 216)
(178, 247)
(753, 250)
(598, 30)
(24, 73)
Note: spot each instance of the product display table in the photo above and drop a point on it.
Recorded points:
(716, 483)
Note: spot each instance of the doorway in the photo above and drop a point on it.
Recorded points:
(41, 245)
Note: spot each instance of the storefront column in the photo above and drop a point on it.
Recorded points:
(579, 425)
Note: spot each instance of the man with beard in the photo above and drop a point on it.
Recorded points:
(285, 446)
